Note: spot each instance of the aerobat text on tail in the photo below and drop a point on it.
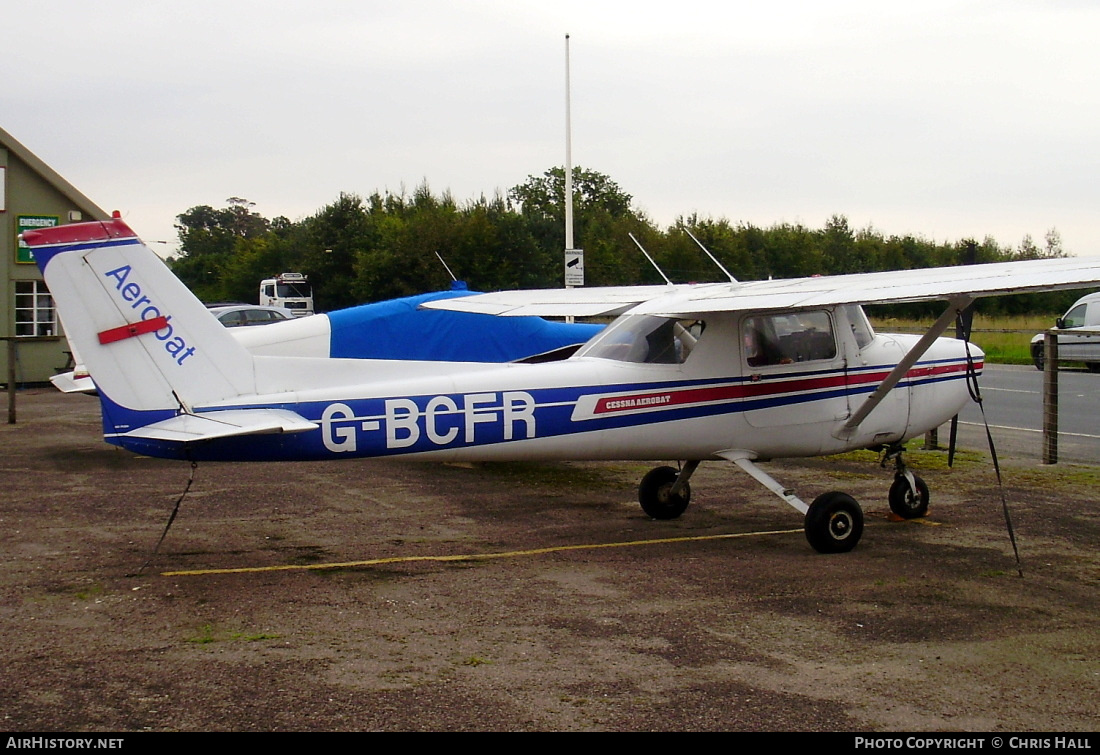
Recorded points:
(734, 371)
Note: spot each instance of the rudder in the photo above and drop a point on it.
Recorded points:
(148, 343)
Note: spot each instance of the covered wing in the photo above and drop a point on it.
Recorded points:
(403, 329)
(927, 284)
(406, 329)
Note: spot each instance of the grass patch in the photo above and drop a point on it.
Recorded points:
(204, 636)
(91, 592)
(1066, 477)
(1055, 477)
(917, 457)
(207, 634)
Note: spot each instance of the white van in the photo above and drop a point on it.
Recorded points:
(1081, 341)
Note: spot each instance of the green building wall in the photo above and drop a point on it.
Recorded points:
(30, 189)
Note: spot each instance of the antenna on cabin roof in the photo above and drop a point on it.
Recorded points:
(659, 270)
(712, 257)
(445, 267)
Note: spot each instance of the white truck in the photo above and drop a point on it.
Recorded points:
(1078, 335)
(291, 291)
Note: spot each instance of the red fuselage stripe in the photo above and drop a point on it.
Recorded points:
(658, 399)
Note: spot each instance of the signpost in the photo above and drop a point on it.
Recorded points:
(23, 253)
(574, 267)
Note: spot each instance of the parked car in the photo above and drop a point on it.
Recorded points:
(250, 314)
(1081, 340)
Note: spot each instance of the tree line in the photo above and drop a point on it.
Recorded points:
(363, 249)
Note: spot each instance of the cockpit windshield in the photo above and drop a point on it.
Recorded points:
(646, 339)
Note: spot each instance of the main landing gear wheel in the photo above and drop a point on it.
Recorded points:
(834, 523)
(654, 493)
(904, 502)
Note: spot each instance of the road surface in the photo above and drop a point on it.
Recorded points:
(1013, 401)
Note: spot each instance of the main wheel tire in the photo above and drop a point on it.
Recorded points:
(834, 523)
(902, 500)
(655, 497)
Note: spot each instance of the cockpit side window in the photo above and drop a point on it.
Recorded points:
(787, 338)
(646, 339)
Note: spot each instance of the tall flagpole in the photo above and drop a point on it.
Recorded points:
(568, 156)
(574, 258)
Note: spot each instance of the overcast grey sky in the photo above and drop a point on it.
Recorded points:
(943, 119)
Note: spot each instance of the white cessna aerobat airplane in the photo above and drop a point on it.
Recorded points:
(736, 371)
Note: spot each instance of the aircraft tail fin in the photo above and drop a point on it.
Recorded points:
(151, 347)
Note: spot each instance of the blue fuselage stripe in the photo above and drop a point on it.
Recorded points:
(400, 425)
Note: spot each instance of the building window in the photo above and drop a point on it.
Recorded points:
(34, 312)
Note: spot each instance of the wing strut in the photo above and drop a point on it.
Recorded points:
(747, 463)
(954, 307)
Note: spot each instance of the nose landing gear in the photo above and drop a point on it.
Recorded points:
(908, 494)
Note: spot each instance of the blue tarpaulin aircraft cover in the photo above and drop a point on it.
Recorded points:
(398, 329)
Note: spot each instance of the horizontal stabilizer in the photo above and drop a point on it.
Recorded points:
(188, 428)
(68, 382)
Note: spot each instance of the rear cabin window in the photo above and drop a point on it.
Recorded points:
(788, 338)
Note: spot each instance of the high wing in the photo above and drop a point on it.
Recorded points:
(959, 285)
(928, 284)
(558, 302)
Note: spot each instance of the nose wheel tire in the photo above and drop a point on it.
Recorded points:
(904, 502)
(834, 523)
(654, 493)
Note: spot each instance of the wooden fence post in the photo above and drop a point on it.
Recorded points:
(1050, 398)
(11, 381)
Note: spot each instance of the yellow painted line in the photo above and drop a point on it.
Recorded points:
(924, 520)
(472, 556)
